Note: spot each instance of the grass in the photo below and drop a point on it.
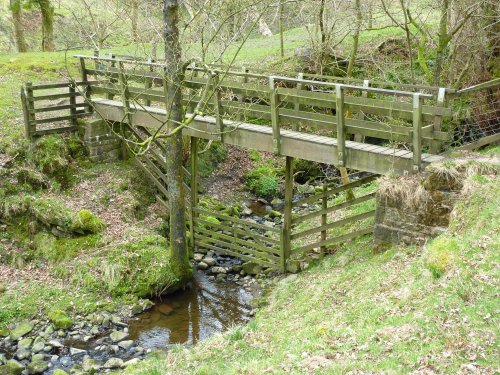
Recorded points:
(357, 311)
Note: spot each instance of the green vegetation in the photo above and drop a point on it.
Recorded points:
(358, 311)
(263, 180)
(440, 255)
(60, 319)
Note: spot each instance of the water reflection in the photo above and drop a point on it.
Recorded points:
(192, 315)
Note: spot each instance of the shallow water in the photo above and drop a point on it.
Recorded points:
(192, 315)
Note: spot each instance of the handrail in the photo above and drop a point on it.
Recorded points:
(485, 85)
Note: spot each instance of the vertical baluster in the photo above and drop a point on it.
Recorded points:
(339, 96)
(417, 132)
(275, 118)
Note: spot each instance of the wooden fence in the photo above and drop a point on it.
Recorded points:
(53, 107)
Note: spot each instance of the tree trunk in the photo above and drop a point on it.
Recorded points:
(355, 38)
(134, 18)
(47, 11)
(443, 40)
(174, 152)
(17, 19)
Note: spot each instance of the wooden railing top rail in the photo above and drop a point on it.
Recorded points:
(482, 86)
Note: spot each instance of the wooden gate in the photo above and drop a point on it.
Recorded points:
(332, 221)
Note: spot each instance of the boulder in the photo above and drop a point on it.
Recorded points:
(202, 266)
(38, 346)
(59, 372)
(252, 268)
(37, 367)
(20, 330)
(60, 319)
(196, 256)
(24, 344)
(23, 354)
(217, 270)
(12, 367)
(209, 261)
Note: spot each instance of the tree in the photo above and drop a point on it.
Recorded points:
(47, 11)
(173, 78)
(17, 19)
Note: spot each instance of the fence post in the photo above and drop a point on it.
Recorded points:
(339, 97)
(361, 116)
(417, 132)
(324, 206)
(126, 106)
(148, 82)
(300, 86)
(275, 118)
(26, 115)
(72, 101)
(438, 119)
(287, 216)
(30, 106)
(218, 107)
(194, 185)
(87, 95)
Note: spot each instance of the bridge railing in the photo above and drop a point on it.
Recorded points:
(408, 120)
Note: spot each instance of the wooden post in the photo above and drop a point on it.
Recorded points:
(218, 107)
(241, 99)
(194, 185)
(360, 137)
(30, 106)
(287, 217)
(324, 206)
(110, 96)
(148, 82)
(191, 106)
(125, 94)
(417, 132)
(72, 101)
(87, 94)
(339, 96)
(280, 26)
(438, 119)
(300, 86)
(27, 125)
(275, 118)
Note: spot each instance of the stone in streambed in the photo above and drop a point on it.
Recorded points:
(217, 270)
(76, 351)
(60, 320)
(117, 336)
(127, 344)
(38, 357)
(165, 309)
(24, 344)
(37, 367)
(23, 354)
(59, 372)
(251, 268)
(12, 367)
(209, 261)
(197, 257)
(113, 363)
(202, 266)
(20, 330)
(131, 362)
(38, 346)
(88, 365)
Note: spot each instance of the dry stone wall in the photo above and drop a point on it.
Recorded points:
(102, 144)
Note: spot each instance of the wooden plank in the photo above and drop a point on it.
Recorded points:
(275, 118)
(335, 190)
(491, 139)
(55, 96)
(417, 132)
(236, 243)
(335, 224)
(287, 219)
(331, 241)
(235, 220)
(40, 133)
(62, 118)
(27, 127)
(208, 246)
(341, 150)
(55, 85)
(152, 178)
(337, 207)
(253, 235)
(61, 107)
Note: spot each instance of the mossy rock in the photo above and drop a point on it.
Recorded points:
(59, 372)
(60, 319)
(12, 367)
(37, 367)
(20, 330)
(85, 222)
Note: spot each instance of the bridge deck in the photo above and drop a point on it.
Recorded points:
(360, 156)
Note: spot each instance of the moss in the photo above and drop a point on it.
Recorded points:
(76, 148)
(60, 319)
(84, 221)
(50, 154)
(141, 267)
(53, 249)
(441, 255)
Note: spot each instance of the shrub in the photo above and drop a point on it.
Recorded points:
(440, 255)
(262, 181)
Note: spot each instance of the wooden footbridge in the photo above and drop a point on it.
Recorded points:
(374, 127)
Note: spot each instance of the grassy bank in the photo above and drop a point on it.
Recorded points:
(363, 312)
